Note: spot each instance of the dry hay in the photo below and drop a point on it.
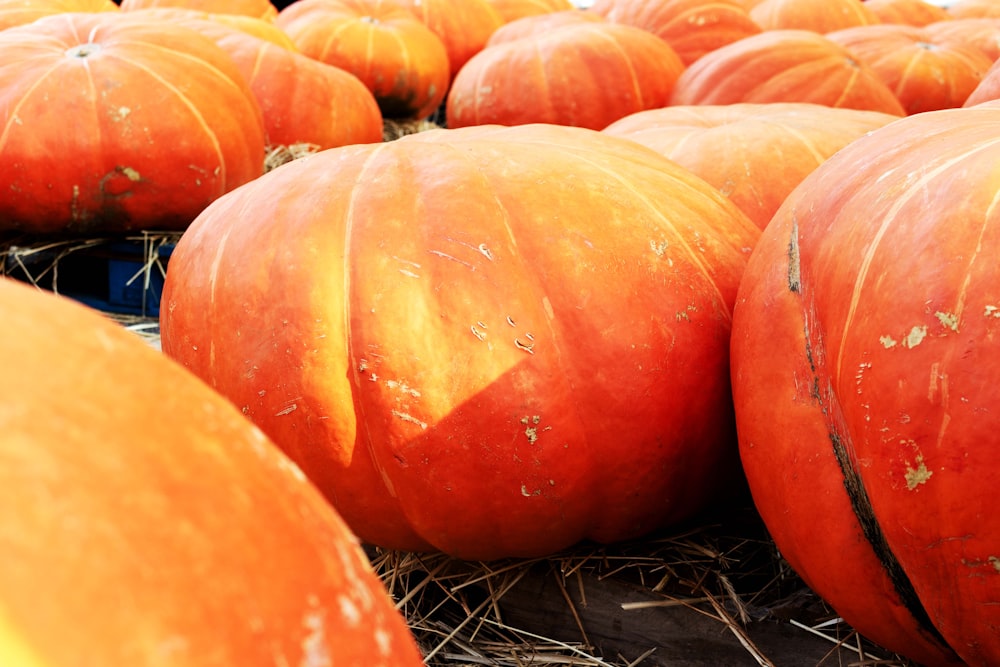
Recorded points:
(717, 593)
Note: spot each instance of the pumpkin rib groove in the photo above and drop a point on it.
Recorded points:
(898, 204)
(191, 107)
(695, 257)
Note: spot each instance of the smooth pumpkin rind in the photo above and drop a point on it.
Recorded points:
(144, 520)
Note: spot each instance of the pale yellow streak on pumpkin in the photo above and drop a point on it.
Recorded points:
(855, 77)
(361, 184)
(14, 652)
(899, 203)
(14, 116)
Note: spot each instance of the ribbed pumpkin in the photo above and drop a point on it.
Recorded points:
(586, 74)
(982, 33)
(262, 9)
(305, 103)
(820, 16)
(537, 25)
(487, 341)
(116, 123)
(755, 154)
(401, 61)
(145, 521)
(19, 12)
(924, 75)
(464, 26)
(988, 89)
(865, 376)
(515, 9)
(691, 27)
(907, 12)
(784, 66)
(967, 9)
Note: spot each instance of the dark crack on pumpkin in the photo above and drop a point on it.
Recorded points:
(794, 268)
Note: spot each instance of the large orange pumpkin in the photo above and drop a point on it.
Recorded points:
(755, 154)
(537, 25)
(907, 12)
(982, 33)
(865, 376)
(19, 12)
(820, 16)
(464, 26)
(784, 66)
(145, 521)
(487, 341)
(585, 74)
(510, 10)
(691, 27)
(923, 74)
(114, 123)
(262, 9)
(402, 62)
(304, 102)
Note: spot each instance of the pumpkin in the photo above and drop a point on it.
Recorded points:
(821, 16)
(988, 89)
(967, 9)
(924, 75)
(585, 74)
(784, 66)
(755, 154)
(116, 124)
(145, 521)
(262, 9)
(464, 26)
(908, 12)
(515, 9)
(865, 382)
(982, 33)
(401, 61)
(305, 103)
(487, 341)
(19, 12)
(537, 25)
(691, 27)
(193, 18)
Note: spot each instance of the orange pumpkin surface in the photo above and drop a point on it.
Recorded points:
(820, 16)
(755, 154)
(515, 9)
(401, 61)
(923, 74)
(145, 521)
(464, 26)
(691, 27)
(537, 25)
(262, 9)
(907, 12)
(487, 341)
(19, 12)
(784, 66)
(982, 33)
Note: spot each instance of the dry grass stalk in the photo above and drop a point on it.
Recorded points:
(394, 129)
(459, 614)
(276, 156)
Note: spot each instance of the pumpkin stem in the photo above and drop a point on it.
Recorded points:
(83, 50)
